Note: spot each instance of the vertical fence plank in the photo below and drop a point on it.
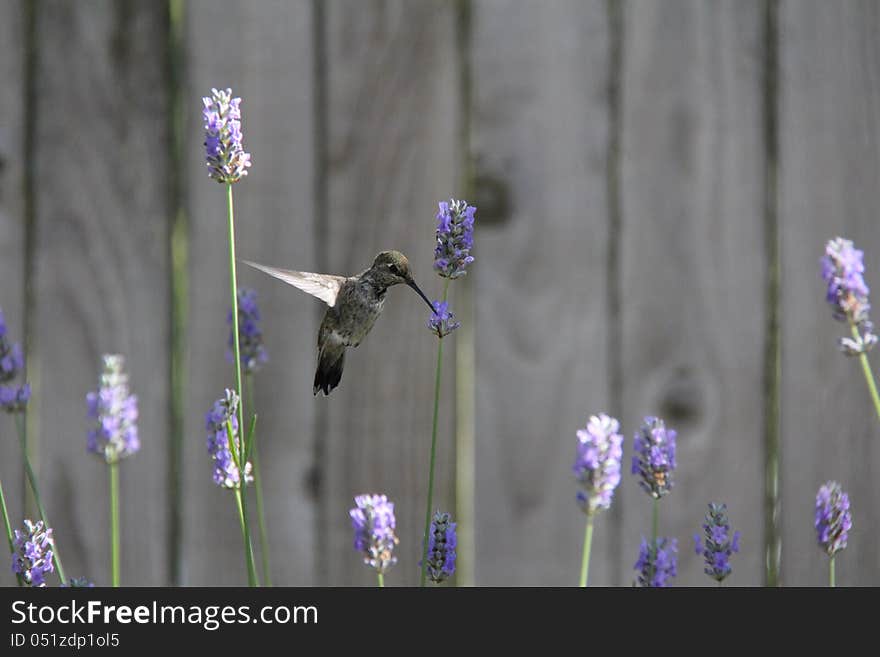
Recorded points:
(392, 100)
(263, 52)
(540, 134)
(829, 167)
(12, 235)
(101, 268)
(693, 265)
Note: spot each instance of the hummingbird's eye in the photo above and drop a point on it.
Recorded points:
(394, 269)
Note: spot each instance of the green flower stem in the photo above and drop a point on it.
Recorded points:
(258, 482)
(8, 527)
(655, 524)
(588, 543)
(423, 575)
(381, 581)
(869, 376)
(831, 582)
(114, 523)
(32, 480)
(236, 355)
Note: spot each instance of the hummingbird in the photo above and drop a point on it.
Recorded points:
(355, 302)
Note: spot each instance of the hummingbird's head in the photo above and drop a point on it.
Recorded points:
(392, 268)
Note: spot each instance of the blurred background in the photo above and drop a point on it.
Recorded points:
(655, 183)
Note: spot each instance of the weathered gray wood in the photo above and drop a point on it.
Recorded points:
(263, 52)
(12, 239)
(392, 112)
(101, 271)
(693, 266)
(540, 132)
(829, 167)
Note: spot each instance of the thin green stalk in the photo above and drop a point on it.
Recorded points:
(381, 581)
(258, 482)
(32, 480)
(831, 581)
(869, 376)
(114, 523)
(236, 355)
(588, 543)
(8, 527)
(655, 525)
(424, 572)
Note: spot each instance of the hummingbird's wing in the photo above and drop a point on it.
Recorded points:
(324, 286)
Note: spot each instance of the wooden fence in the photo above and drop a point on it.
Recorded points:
(655, 182)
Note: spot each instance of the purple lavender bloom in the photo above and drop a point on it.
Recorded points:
(717, 545)
(114, 412)
(442, 541)
(657, 562)
(442, 321)
(13, 398)
(455, 238)
(597, 463)
(226, 159)
(32, 558)
(847, 293)
(373, 522)
(654, 458)
(833, 518)
(78, 583)
(223, 414)
(250, 335)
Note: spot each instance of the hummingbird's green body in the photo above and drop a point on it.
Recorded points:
(355, 304)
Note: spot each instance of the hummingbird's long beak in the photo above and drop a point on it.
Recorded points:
(415, 287)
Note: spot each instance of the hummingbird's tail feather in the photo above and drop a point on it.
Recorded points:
(328, 374)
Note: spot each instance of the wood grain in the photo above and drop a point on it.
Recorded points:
(101, 271)
(693, 270)
(264, 54)
(829, 167)
(392, 113)
(12, 239)
(540, 133)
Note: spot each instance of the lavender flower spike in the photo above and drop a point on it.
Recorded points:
(250, 335)
(657, 562)
(32, 558)
(226, 159)
(847, 293)
(833, 518)
(597, 463)
(373, 522)
(455, 238)
(223, 414)
(114, 412)
(13, 398)
(442, 541)
(442, 321)
(654, 459)
(717, 545)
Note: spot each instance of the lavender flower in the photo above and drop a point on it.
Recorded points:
(222, 415)
(250, 335)
(654, 458)
(833, 518)
(847, 293)
(442, 540)
(597, 463)
(32, 558)
(79, 583)
(657, 562)
(13, 398)
(455, 238)
(373, 522)
(442, 321)
(718, 545)
(226, 159)
(114, 412)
